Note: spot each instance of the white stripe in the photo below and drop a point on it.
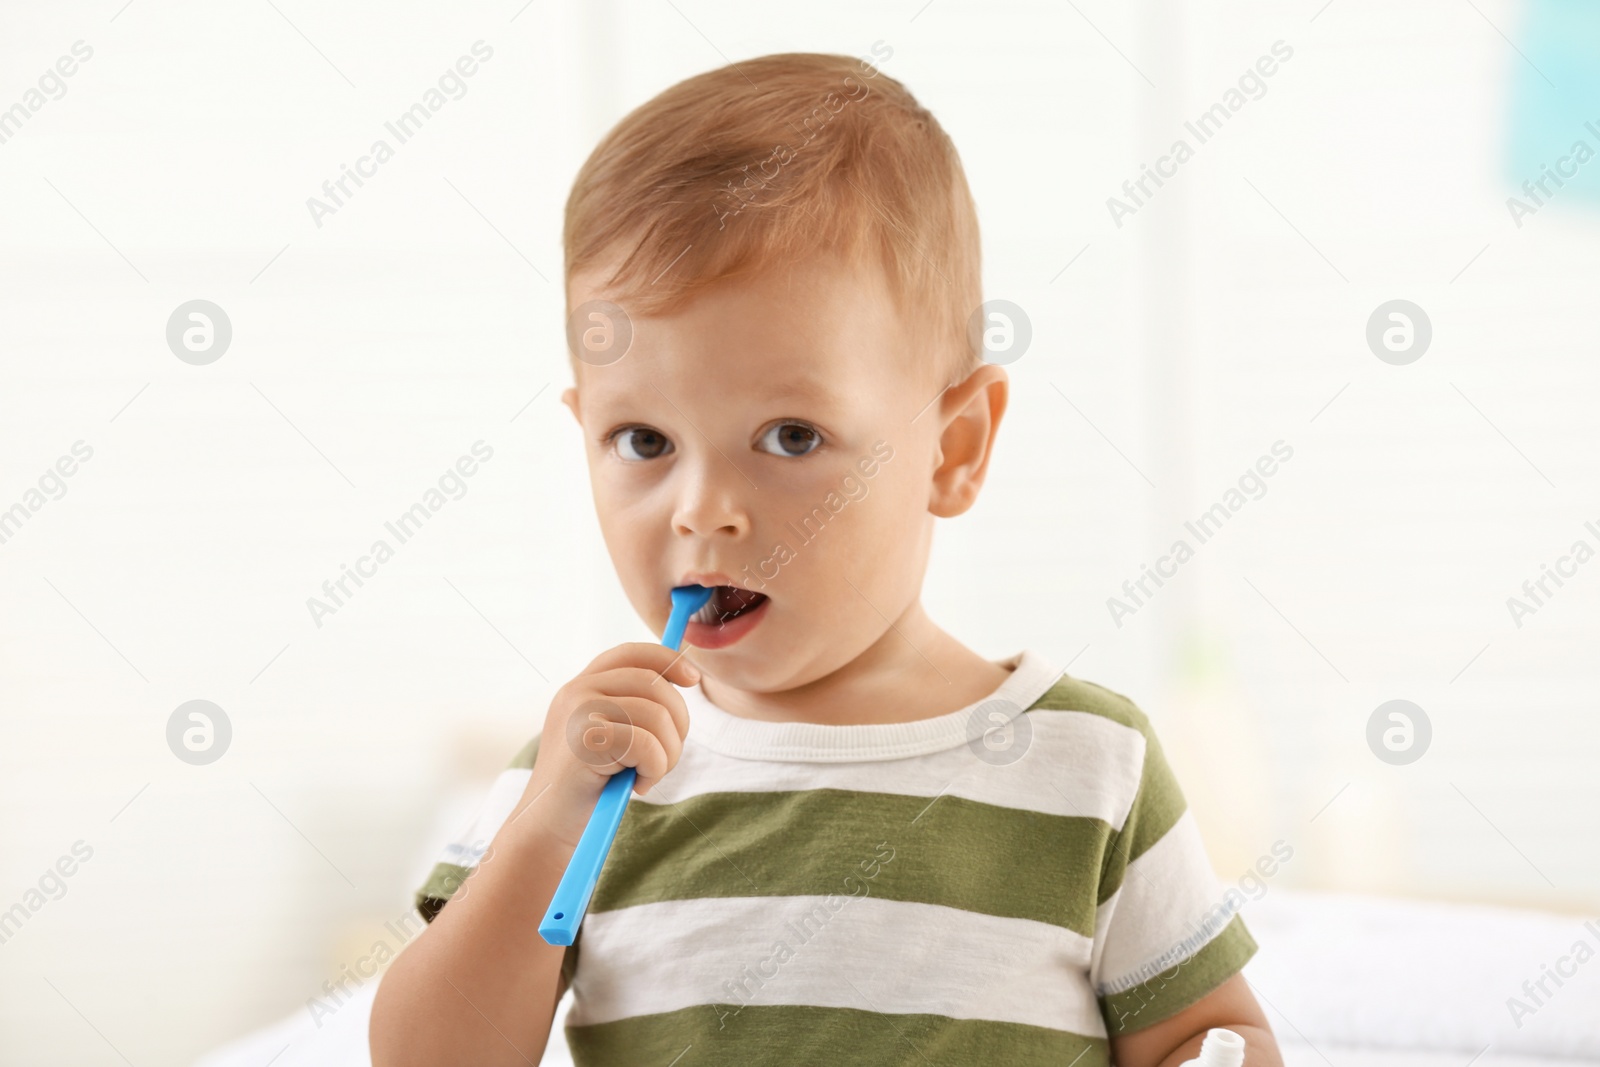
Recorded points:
(1030, 677)
(469, 846)
(1075, 763)
(1165, 911)
(857, 952)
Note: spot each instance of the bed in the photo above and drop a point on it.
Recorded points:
(1347, 980)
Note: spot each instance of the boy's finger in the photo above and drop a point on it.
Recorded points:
(682, 671)
(654, 717)
(646, 684)
(669, 663)
(607, 745)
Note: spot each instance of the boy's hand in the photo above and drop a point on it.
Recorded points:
(621, 711)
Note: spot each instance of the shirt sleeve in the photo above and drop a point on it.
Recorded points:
(461, 855)
(1166, 933)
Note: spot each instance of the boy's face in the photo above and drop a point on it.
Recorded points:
(775, 435)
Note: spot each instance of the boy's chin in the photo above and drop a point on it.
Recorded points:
(756, 670)
(753, 674)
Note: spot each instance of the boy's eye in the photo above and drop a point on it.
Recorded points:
(640, 442)
(790, 439)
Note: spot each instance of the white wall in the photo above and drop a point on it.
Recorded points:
(372, 351)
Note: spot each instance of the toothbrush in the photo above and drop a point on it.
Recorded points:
(571, 900)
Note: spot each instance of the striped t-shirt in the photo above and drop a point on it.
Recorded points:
(1009, 883)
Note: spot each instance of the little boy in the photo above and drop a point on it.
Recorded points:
(852, 839)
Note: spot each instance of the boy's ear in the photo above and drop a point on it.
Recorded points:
(971, 410)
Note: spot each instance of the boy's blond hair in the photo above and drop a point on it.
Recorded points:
(776, 160)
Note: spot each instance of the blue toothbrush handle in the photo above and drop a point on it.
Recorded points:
(677, 622)
(571, 900)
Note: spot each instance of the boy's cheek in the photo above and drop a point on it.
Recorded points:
(637, 560)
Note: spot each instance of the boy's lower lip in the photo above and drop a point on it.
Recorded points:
(721, 635)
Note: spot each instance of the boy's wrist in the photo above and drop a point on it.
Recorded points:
(545, 822)
(522, 864)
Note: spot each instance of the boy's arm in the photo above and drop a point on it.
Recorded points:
(479, 986)
(1177, 1038)
(460, 992)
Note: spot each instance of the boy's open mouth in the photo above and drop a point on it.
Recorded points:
(729, 615)
(728, 602)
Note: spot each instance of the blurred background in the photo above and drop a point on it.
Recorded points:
(1354, 261)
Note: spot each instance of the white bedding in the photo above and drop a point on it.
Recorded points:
(1386, 973)
(1298, 1055)
(1346, 980)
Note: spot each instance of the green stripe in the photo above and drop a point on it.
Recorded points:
(441, 885)
(446, 877)
(713, 1036)
(1171, 991)
(525, 756)
(953, 851)
(1076, 694)
(1156, 807)
(946, 853)
(1158, 804)
(806, 842)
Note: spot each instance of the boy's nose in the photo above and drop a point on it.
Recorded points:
(710, 503)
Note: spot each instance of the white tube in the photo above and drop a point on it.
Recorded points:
(1221, 1048)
